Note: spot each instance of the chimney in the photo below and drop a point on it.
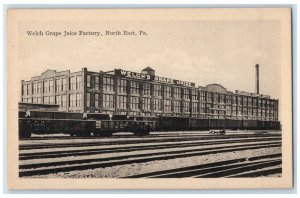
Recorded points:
(257, 78)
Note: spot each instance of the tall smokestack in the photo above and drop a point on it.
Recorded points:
(257, 78)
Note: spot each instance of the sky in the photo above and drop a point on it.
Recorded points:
(200, 51)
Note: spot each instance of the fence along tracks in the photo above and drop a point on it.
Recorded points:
(46, 159)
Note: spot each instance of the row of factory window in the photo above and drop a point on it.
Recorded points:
(108, 85)
(177, 92)
(75, 100)
(165, 105)
(47, 85)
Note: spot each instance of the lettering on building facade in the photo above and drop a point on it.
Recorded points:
(141, 76)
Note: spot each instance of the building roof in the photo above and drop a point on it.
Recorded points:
(148, 69)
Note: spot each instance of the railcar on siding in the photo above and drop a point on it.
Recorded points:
(93, 124)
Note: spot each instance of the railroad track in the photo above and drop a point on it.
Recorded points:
(83, 164)
(254, 166)
(145, 139)
(95, 151)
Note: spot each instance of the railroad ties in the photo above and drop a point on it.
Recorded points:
(159, 155)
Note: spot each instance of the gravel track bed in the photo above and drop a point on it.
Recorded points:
(159, 165)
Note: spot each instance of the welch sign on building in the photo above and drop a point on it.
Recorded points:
(251, 94)
(141, 76)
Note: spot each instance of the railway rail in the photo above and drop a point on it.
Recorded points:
(226, 168)
(66, 153)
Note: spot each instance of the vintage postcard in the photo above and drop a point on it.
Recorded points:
(149, 98)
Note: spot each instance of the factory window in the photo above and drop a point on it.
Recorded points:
(97, 82)
(122, 85)
(58, 85)
(88, 81)
(34, 100)
(263, 103)
(239, 100)
(78, 82)
(234, 111)
(39, 87)
(157, 90)
(177, 92)
(249, 101)
(271, 104)
(24, 87)
(259, 103)
(239, 111)
(64, 84)
(167, 105)
(186, 106)
(267, 112)
(263, 113)
(134, 103)
(34, 90)
(134, 87)
(245, 111)
(254, 102)
(28, 89)
(202, 107)
(167, 92)
(228, 99)
(146, 103)
(157, 104)
(186, 94)
(254, 112)
(46, 100)
(64, 100)
(194, 94)
(234, 100)
(108, 100)
(96, 100)
(177, 106)
(194, 107)
(272, 113)
(245, 101)
(268, 104)
(39, 100)
(122, 100)
(28, 100)
(209, 97)
(250, 111)
(146, 89)
(51, 86)
(45, 86)
(258, 112)
(221, 106)
(72, 100)
(216, 97)
(108, 84)
(222, 98)
(58, 100)
(202, 95)
(88, 99)
(72, 83)
(51, 99)
(78, 100)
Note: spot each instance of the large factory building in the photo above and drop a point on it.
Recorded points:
(121, 92)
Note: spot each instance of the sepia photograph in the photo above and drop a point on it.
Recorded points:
(188, 98)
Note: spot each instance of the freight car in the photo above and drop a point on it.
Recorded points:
(96, 124)
(78, 124)
(184, 123)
